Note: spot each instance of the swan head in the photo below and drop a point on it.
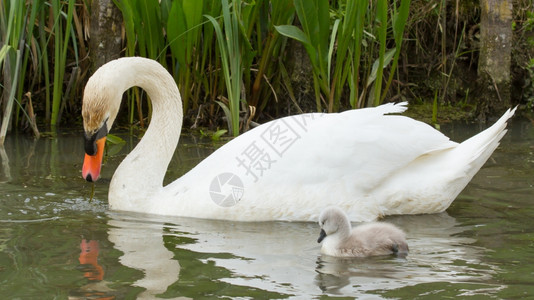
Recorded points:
(332, 221)
(101, 102)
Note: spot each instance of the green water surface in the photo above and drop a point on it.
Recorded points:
(57, 244)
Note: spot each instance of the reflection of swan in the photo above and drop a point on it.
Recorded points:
(283, 256)
(143, 248)
(365, 162)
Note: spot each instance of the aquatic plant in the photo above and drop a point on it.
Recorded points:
(354, 48)
(61, 43)
(229, 48)
(189, 36)
(346, 32)
(30, 31)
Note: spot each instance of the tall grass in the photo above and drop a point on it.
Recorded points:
(349, 41)
(29, 30)
(61, 41)
(399, 20)
(227, 57)
(346, 31)
(269, 45)
(231, 61)
(184, 30)
(216, 49)
(314, 35)
(143, 24)
(12, 54)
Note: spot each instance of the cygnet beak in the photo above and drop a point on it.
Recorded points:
(322, 235)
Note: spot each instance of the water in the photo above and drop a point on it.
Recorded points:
(56, 243)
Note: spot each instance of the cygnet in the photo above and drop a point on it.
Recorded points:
(370, 239)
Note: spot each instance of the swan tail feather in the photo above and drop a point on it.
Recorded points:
(479, 148)
(391, 108)
(369, 113)
(489, 139)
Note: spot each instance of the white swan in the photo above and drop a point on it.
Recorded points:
(365, 162)
(370, 239)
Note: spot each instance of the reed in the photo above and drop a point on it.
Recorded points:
(11, 55)
(269, 45)
(382, 27)
(30, 29)
(184, 30)
(61, 41)
(314, 35)
(230, 54)
(346, 30)
(399, 20)
(144, 37)
(43, 65)
(226, 56)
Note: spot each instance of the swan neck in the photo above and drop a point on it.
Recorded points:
(142, 172)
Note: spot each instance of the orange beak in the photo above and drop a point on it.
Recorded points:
(92, 163)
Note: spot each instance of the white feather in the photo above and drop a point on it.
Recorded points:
(365, 161)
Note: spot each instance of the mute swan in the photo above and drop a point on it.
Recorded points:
(376, 238)
(366, 162)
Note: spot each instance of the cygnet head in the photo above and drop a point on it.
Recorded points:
(333, 220)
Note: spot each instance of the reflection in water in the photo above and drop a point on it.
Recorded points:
(97, 288)
(89, 260)
(143, 248)
(6, 171)
(482, 247)
(151, 244)
(438, 253)
(284, 257)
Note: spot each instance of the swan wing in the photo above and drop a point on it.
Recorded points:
(291, 168)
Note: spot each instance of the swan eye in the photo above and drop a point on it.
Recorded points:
(90, 146)
(90, 141)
